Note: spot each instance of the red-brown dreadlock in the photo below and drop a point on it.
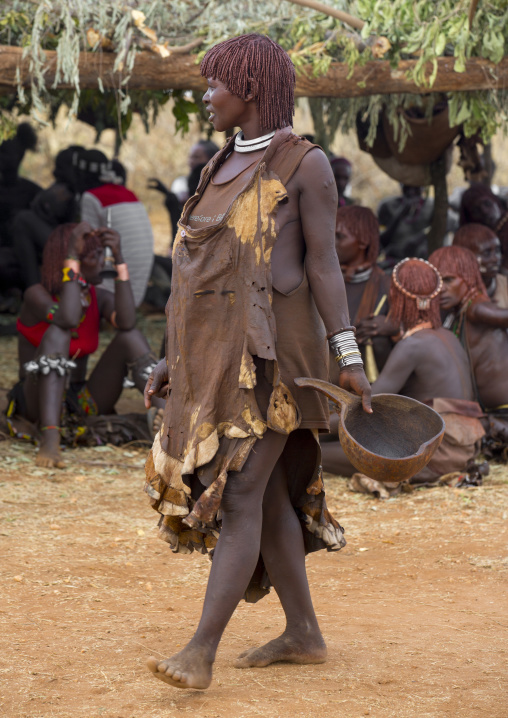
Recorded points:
(459, 262)
(415, 276)
(470, 204)
(55, 251)
(472, 236)
(362, 223)
(255, 64)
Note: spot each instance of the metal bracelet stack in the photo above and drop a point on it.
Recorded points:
(344, 346)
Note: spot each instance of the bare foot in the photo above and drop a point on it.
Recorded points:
(291, 648)
(190, 668)
(49, 454)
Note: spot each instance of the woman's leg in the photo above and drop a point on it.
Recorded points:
(44, 395)
(234, 561)
(106, 381)
(283, 554)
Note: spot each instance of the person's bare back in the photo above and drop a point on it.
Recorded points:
(428, 364)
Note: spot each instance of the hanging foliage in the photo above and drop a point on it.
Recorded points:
(393, 30)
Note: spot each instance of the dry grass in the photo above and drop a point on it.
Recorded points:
(413, 609)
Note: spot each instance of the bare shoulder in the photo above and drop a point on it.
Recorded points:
(314, 171)
(434, 342)
(421, 342)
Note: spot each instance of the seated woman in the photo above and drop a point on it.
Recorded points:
(59, 329)
(484, 243)
(357, 245)
(481, 327)
(427, 364)
(481, 206)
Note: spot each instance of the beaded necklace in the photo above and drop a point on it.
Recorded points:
(416, 328)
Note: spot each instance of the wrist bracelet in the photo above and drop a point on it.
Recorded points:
(341, 331)
(69, 275)
(343, 345)
(51, 312)
(123, 272)
(73, 264)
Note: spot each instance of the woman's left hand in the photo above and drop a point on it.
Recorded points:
(110, 238)
(353, 379)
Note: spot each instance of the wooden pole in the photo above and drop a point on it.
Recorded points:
(152, 72)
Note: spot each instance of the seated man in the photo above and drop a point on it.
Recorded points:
(106, 202)
(58, 330)
(481, 327)
(16, 192)
(427, 364)
(367, 286)
(483, 242)
(32, 227)
(405, 221)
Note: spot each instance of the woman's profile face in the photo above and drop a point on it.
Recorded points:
(225, 109)
(488, 254)
(347, 245)
(453, 291)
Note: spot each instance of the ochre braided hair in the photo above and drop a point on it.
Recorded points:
(471, 198)
(363, 224)
(459, 262)
(55, 251)
(255, 64)
(472, 236)
(416, 277)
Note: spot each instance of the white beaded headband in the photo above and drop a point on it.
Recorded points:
(422, 302)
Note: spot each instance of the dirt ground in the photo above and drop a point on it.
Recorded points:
(413, 609)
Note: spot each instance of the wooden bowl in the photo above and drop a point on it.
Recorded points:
(394, 442)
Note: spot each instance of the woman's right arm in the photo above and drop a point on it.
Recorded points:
(39, 306)
(488, 313)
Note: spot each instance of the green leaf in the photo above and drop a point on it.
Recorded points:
(440, 44)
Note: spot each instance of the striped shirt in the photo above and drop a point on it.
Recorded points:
(129, 218)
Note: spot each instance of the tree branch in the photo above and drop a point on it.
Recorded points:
(472, 10)
(327, 10)
(185, 49)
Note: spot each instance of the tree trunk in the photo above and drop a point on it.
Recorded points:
(152, 72)
(439, 224)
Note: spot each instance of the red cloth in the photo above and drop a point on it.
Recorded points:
(85, 338)
(109, 194)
